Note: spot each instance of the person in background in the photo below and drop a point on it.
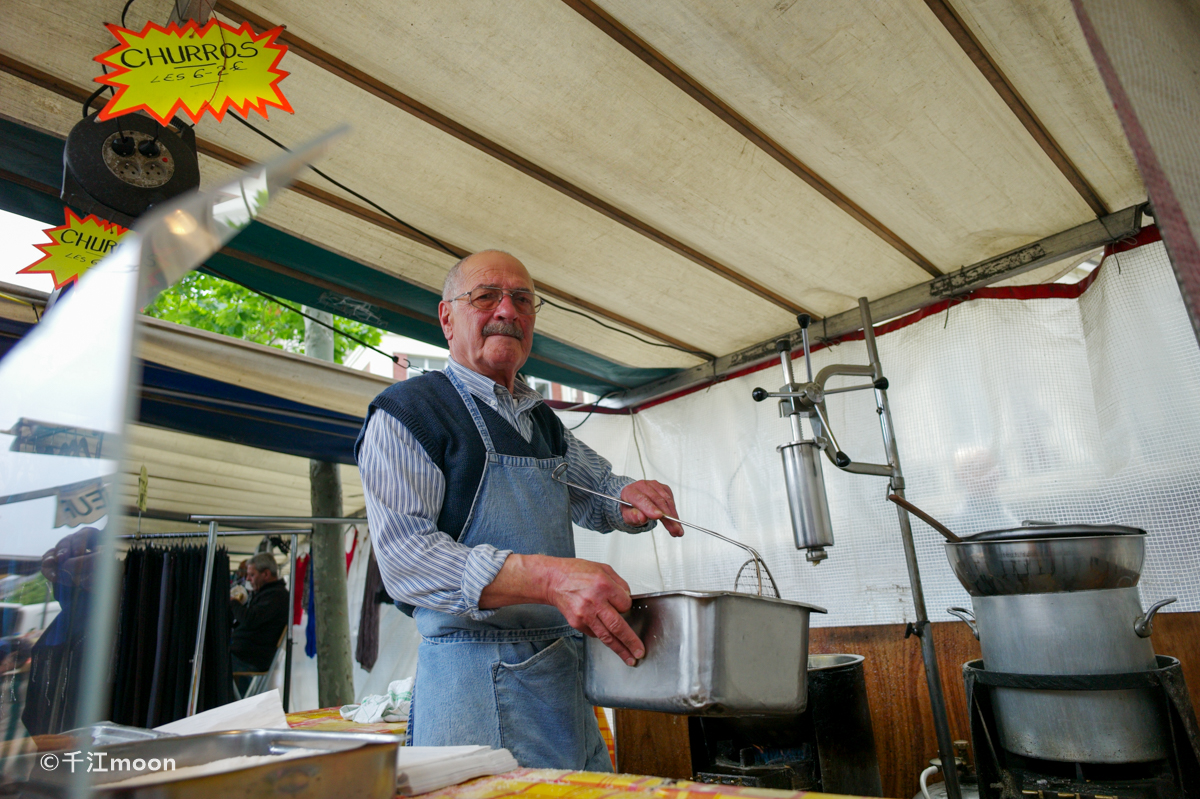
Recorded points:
(259, 620)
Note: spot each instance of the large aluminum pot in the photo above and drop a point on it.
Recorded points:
(1071, 633)
(1039, 558)
(708, 653)
(1062, 600)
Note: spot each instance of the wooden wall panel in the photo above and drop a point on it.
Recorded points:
(652, 743)
(657, 743)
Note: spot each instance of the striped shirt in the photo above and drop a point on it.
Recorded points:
(404, 489)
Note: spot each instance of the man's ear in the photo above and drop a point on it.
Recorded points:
(444, 318)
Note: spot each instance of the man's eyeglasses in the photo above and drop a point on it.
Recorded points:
(487, 298)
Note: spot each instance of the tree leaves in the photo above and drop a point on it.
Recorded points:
(209, 303)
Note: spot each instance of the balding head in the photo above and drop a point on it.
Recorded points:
(453, 285)
(494, 343)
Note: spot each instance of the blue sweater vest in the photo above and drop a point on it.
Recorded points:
(432, 410)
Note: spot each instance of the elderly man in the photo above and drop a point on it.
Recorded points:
(473, 536)
(258, 623)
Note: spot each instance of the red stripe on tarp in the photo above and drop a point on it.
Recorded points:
(1043, 291)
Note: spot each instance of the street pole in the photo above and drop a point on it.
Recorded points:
(335, 668)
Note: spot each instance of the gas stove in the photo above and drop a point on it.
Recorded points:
(1007, 775)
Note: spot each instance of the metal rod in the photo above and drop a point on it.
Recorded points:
(860, 467)
(844, 369)
(205, 590)
(807, 354)
(945, 531)
(825, 391)
(789, 381)
(281, 519)
(828, 430)
(933, 679)
(557, 475)
(195, 534)
(287, 653)
(845, 389)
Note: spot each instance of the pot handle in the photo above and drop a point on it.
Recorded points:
(968, 617)
(1144, 626)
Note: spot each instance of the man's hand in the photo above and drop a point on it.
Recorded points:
(590, 595)
(238, 594)
(651, 500)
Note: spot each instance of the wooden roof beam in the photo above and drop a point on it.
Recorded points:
(984, 63)
(690, 86)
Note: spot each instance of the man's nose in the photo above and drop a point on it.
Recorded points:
(507, 309)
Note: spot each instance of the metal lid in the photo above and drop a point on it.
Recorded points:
(1035, 530)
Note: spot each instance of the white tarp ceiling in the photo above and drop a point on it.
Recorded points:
(878, 153)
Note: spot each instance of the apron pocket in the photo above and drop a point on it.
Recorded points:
(542, 709)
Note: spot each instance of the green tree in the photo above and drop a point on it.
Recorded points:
(210, 303)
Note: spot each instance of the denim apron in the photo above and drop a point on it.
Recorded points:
(515, 679)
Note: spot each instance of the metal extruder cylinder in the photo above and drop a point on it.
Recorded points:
(806, 498)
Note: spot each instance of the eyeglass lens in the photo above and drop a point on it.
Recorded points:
(486, 299)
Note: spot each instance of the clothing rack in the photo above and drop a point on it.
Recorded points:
(212, 534)
(210, 553)
(194, 534)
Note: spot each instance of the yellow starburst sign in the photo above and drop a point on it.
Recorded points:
(193, 69)
(76, 246)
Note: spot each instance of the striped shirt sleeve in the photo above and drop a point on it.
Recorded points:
(589, 469)
(420, 565)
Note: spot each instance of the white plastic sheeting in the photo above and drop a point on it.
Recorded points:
(1068, 410)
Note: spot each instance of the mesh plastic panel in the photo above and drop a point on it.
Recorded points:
(1061, 410)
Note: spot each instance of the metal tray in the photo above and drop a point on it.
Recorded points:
(708, 653)
(354, 766)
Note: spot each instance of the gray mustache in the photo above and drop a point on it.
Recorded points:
(503, 329)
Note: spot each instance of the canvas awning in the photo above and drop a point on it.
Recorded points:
(694, 173)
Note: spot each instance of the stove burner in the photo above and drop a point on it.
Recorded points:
(790, 769)
(1005, 775)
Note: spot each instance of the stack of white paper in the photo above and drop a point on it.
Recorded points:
(420, 769)
(262, 711)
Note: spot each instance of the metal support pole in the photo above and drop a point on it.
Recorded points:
(359, 520)
(205, 590)
(287, 653)
(933, 679)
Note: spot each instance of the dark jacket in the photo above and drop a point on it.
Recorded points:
(258, 624)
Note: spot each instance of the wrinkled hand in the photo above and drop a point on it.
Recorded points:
(70, 561)
(651, 500)
(592, 597)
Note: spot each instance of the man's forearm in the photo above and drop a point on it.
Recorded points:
(591, 596)
(522, 580)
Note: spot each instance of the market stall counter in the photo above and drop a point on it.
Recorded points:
(528, 783)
